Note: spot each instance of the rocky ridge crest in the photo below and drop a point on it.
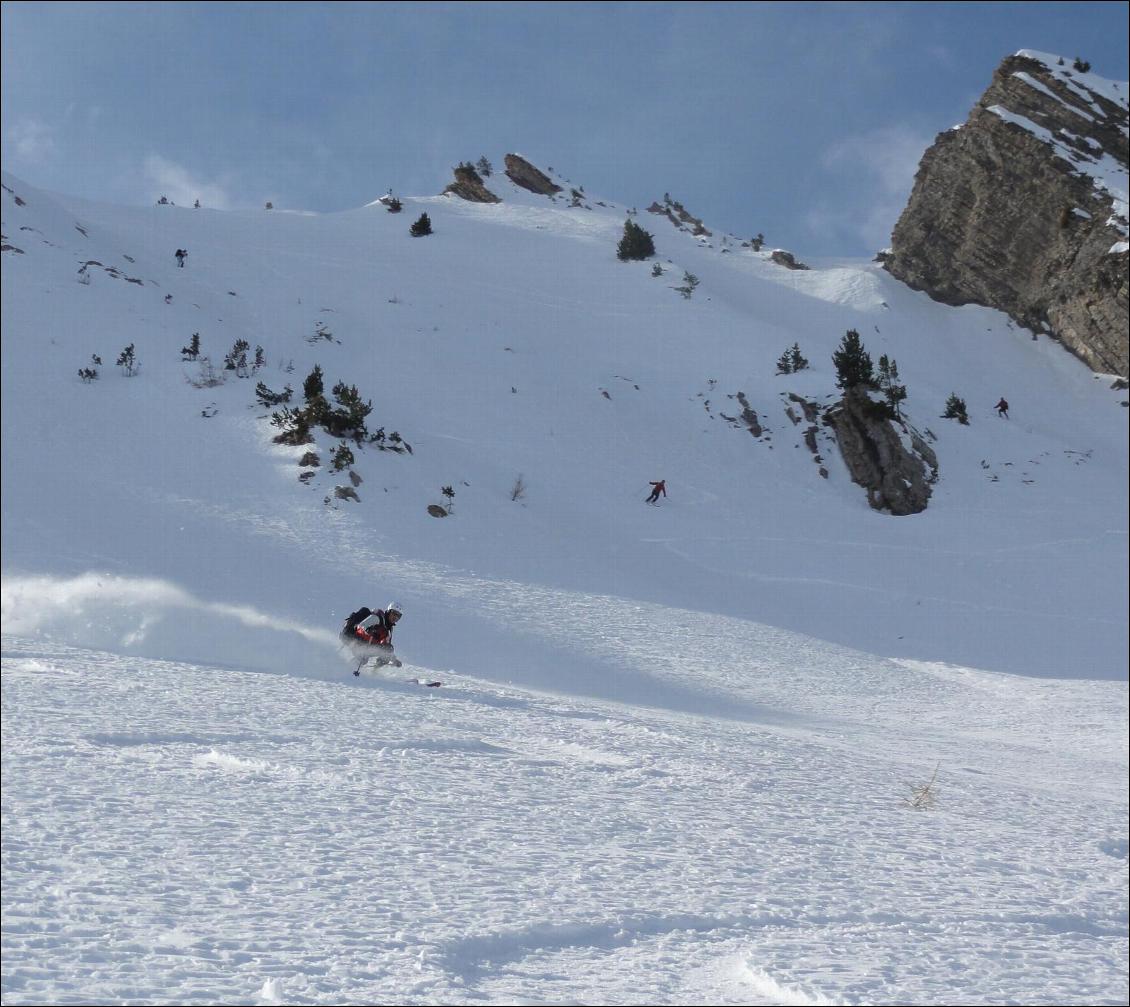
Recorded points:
(1023, 208)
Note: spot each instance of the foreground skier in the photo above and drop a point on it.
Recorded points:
(368, 635)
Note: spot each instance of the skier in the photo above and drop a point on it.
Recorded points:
(368, 633)
(656, 489)
(1002, 408)
(181, 256)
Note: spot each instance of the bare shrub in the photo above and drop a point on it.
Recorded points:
(923, 796)
(207, 376)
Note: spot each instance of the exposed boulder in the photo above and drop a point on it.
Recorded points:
(811, 409)
(786, 259)
(1023, 208)
(522, 173)
(749, 416)
(897, 478)
(469, 185)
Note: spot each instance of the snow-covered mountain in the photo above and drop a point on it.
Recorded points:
(669, 757)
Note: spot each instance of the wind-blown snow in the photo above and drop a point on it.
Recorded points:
(671, 760)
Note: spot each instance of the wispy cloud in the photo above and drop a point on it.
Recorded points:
(177, 183)
(33, 141)
(873, 173)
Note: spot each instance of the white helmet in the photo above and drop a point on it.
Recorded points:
(394, 606)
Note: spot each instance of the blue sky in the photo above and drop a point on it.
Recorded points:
(802, 121)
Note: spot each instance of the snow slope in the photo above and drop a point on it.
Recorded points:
(490, 346)
(186, 834)
(670, 762)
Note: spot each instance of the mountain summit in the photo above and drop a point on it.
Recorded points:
(1024, 208)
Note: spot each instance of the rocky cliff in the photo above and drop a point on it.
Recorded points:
(522, 173)
(1024, 208)
(469, 185)
(886, 457)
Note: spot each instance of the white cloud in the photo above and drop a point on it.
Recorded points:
(175, 182)
(890, 154)
(33, 140)
(878, 167)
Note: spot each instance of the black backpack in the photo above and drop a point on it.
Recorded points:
(351, 623)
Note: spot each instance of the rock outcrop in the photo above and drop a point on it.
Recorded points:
(786, 259)
(897, 478)
(522, 173)
(469, 185)
(680, 216)
(1023, 208)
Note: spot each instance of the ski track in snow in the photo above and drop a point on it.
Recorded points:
(185, 834)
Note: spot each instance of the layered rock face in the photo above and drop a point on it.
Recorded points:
(522, 173)
(469, 185)
(898, 477)
(1023, 208)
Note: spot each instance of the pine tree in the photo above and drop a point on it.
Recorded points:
(192, 350)
(636, 244)
(269, 398)
(791, 360)
(348, 419)
(313, 387)
(955, 410)
(127, 361)
(313, 391)
(422, 227)
(889, 385)
(853, 363)
(293, 424)
(236, 359)
(485, 167)
(690, 281)
(89, 374)
(342, 457)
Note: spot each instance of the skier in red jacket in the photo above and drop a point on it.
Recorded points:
(371, 636)
(656, 489)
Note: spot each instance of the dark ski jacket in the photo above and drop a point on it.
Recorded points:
(375, 629)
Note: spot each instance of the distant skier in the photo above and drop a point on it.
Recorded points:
(1002, 408)
(368, 633)
(181, 256)
(657, 488)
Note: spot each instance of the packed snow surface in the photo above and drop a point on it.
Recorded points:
(188, 834)
(676, 749)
